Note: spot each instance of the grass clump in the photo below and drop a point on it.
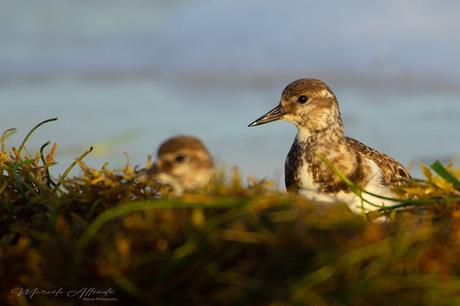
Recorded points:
(235, 243)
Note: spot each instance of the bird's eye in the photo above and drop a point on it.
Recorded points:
(302, 99)
(180, 158)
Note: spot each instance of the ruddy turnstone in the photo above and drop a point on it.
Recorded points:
(313, 108)
(183, 163)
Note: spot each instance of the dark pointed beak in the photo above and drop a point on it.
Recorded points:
(273, 115)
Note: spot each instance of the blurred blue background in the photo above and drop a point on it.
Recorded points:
(126, 74)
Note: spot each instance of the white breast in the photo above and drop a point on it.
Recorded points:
(356, 204)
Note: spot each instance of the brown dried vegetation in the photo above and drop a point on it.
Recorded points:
(234, 243)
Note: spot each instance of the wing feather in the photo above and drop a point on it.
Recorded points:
(393, 172)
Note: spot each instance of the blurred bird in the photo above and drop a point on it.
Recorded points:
(183, 163)
(320, 145)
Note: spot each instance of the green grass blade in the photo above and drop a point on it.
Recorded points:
(124, 209)
(21, 147)
(421, 202)
(67, 171)
(5, 135)
(337, 172)
(446, 175)
(49, 181)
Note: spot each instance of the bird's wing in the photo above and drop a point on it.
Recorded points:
(393, 172)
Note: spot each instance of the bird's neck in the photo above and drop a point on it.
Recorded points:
(331, 134)
(329, 143)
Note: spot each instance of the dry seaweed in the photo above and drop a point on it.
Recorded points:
(234, 243)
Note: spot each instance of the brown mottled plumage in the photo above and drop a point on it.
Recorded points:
(183, 163)
(320, 146)
(392, 170)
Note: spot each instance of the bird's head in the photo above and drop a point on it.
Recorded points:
(184, 163)
(307, 103)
